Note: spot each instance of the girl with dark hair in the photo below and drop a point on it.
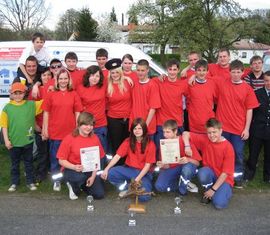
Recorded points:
(69, 158)
(92, 92)
(127, 63)
(140, 152)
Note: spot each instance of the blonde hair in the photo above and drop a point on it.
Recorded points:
(69, 86)
(121, 83)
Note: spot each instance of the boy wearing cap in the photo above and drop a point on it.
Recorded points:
(17, 121)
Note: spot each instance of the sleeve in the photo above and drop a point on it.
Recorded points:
(123, 149)
(251, 101)
(228, 163)
(77, 103)
(184, 87)
(4, 119)
(151, 153)
(195, 152)
(154, 96)
(198, 140)
(64, 148)
(38, 107)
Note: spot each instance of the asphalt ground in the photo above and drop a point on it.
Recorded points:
(54, 213)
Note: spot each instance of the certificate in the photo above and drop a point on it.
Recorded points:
(90, 158)
(170, 151)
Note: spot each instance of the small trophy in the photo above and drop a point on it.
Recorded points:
(131, 220)
(90, 207)
(177, 209)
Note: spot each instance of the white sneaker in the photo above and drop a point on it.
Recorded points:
(32, 187)
(192, 188)
(123, 193)
(12, 188)
(57, 186)
(72, 195)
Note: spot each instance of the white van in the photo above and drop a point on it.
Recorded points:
(10, 53)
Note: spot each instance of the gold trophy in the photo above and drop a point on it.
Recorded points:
(136, 189)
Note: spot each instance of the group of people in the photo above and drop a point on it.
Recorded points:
(210, 108)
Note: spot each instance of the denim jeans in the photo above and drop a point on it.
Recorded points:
(53, 148)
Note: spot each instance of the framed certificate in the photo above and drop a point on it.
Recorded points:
(170, 151)
(90, 158)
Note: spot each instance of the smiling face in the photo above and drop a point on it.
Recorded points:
(71, 64)
(38, 44)
(173, 72)
(201, 73)
(223, 58)
(63, 81)
(85, 129)
(115, 75)
(17, 96)
(94, 78)
(31, 68)
(46, 76)
(138, 131)
(214, 134)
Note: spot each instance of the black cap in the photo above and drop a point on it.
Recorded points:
(113, 63)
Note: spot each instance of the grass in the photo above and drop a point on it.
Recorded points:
(46, 186)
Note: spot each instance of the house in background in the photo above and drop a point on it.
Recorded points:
(246, 48)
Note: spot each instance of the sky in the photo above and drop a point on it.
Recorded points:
(101, 7)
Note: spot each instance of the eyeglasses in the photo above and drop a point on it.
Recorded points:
(57, 66)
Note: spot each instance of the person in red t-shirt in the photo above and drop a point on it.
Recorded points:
(200, 99)
(76, 73)
(171, 91)
(236, 101)
(140, 152)
(102, 58)
(93, 92)
(119, 101)
(192, 58)
(61, 109)
(127, 63)
(145, 97)
(70, 153)
(216, 175)
(176, 177)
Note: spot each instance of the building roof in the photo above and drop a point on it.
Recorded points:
(247, 44)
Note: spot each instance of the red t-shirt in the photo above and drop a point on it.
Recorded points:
(105, 73)
(218, 156)
(119, 104)
(61, 106)
(77, 77)
(171, 101)
(94, 101)
(195, 153)
(215, 71)
(190, 72)
(137, 159)
(201, 98)
(132, 75)
(145, 96)
(233, 102)
(70, 147)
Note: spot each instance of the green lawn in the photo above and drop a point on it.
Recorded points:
(46, 187)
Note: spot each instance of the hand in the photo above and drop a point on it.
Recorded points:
(160, 164)
(50, 88)
(90, 181)
(104, 175)
(245, 134)
(35, 91)
(209, 194)
(162, 77)
(78, 168)
(8, 144)
(45, 134)
(191, 80)
(183, 160)
(188, 151)
(130, 81)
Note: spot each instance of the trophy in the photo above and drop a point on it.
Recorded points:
(131, 220)
(177, 209)
(90, 207)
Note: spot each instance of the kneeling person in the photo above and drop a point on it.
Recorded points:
(175, 177)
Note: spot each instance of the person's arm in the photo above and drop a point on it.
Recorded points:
(162, 165)
(210, 192)
(22, 67)
(69, 165)
(115, 159)
(185, 160)
(129, 80)
(184, 71)
(150, 116)
(143, 172)
(91, 179)
(77, 115)
(245, 133)
(6, 139)
(35, 90)
(45, 133)
(186, 138)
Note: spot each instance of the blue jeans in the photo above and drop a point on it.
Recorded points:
(119, 174)
(78, 180)
(159, 135)
(53, 148)
(102, 133)
(168, 179)
(16, 154)
(223, 194)
(238, 146)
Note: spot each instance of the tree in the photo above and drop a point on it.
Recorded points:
(86, 26)
(23, 15)
(107, 31)
(113, 17)
(66, 25)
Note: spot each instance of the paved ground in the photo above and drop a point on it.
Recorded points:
(36, 213)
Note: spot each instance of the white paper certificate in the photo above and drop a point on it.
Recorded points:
(90, 158)
(170, 150)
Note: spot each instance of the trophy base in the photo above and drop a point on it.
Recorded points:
(138, 208)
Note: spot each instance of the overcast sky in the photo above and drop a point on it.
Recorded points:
(100, 7)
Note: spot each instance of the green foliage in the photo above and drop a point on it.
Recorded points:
(113, 17)
(86, 26)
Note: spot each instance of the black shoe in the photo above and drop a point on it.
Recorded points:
(238, 184)
(205, 200)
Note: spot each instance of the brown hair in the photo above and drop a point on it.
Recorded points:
(213, 122)
(90, 71)
(84, 119)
